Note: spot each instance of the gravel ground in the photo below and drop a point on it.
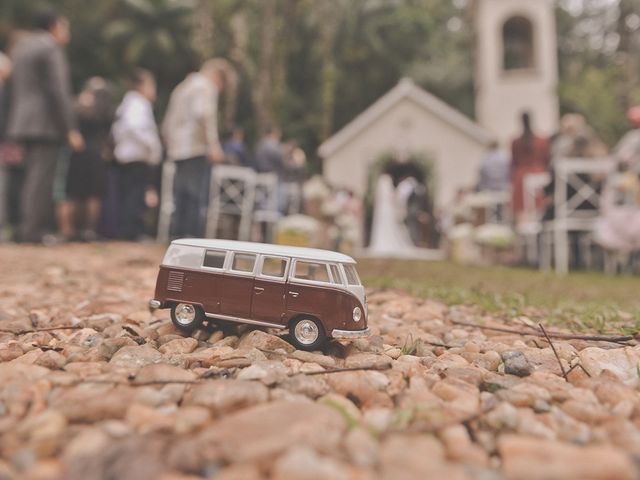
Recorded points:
(124, 395)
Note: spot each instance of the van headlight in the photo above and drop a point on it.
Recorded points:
(357, 314)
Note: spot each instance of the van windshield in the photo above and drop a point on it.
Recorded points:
(352, 274)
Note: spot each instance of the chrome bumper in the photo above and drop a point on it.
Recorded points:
(154, 304)
(348, 334)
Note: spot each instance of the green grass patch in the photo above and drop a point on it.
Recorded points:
(581, 301)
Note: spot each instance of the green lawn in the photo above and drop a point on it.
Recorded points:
(580, 301)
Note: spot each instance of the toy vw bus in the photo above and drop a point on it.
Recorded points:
(316, 294)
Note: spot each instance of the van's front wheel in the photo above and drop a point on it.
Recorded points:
(187, 317)
(307, 333)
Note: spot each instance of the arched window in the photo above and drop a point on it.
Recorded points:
(517, 39)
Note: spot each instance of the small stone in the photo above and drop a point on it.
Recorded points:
(490, 360)
(228, 341)
(162, 372)
(310, 386)
(524, 395)
(310, 368)
(135, 357)
(168, 329)
(52, 360)
(146, 419)
(203, 335)
(470, 374)
(515, 363)
(361, 447)
(538, 459)
(140, 317)
(460, 395)
(310, 357)
(240, 471)
(367, 360)
(86, 337)
(409, 456)
(29, 357)
(87, 443)
(346, 407)
(393, 353)
(460, 448)
(92, 402)
(215, 337)
(191, 418)
(44, 433)
(268, 372)
(378, 419)
(224, 396)
(117, 428)
(303, 463)
(359, 387)
(504, 416)
(568, 428)
(179, 346)
(587, 412)
(264, 431)
(10, 351)
(620, 362)
(530, 424)
(264, 341)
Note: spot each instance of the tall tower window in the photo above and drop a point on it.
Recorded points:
(517, 39)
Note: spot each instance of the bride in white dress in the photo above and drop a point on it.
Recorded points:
(389, 234)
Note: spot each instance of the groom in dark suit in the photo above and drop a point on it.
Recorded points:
(40, 117)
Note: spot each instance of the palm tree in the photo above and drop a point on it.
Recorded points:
(151, 31)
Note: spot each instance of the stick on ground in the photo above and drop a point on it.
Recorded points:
(555, 352)
(561, 335)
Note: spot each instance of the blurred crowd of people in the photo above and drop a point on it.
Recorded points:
(89, 167)
(618, 207)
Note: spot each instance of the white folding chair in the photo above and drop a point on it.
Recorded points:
(166, 201)
(576, 182)
(292, 192)
(490, 206)
(232, 193)
(265, 212)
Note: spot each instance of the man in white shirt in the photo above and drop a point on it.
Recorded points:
(190, 130)
(137, 149)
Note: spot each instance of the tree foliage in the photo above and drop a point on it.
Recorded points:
(311, 66)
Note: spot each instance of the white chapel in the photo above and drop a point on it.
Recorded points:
(516, 71)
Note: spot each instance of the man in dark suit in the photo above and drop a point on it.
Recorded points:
(40, 117)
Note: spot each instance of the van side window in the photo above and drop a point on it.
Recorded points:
(243, 262)
(352, 275)
(335, 273)
(214, 259)
(274, 267)
(316, 272)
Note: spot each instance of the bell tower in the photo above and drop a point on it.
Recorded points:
(516, 66)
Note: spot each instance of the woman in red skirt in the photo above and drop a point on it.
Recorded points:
(529, 154)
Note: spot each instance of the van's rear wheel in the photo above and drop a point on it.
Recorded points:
(307, 333)
(187, 317)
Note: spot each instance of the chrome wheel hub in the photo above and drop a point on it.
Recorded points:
(306, 332)
(185, 314)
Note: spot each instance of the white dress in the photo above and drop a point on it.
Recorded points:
(389, 235)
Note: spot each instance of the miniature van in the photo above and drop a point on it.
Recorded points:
(315, 294)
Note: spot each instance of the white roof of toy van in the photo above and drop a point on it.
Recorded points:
(266, 249)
